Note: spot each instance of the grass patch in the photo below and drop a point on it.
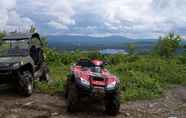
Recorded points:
(141, 76)
(58, 76)
(51, 87)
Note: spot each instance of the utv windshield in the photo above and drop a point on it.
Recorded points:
(14, 48)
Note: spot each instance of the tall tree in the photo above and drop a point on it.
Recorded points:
(167, 45)
(131, 48)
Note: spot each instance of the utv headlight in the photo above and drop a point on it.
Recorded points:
(15, 65)
(84, 81)
(111, 85)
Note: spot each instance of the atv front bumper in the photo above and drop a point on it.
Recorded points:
(96, 91)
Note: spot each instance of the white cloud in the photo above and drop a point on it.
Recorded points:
(57, 25)
(145, 15)
(10, 20)
(60, 12)
(127, 17)
(5, 6)
(16, 22)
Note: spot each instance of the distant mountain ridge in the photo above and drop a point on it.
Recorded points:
(88, 42)
(88, 38)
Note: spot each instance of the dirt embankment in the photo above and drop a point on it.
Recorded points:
(172, 104)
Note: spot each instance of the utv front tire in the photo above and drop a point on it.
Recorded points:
(45, 74)
(112, 105)
(72, 98)
(25, 84)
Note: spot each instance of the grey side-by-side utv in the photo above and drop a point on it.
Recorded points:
(22, 61)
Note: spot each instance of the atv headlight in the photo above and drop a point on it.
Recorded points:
(111, 85)
(84, 81)
(15, 65)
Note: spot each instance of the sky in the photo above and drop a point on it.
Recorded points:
(99, 18)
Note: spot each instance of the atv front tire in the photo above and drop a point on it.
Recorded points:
(25, 84)
(72, 98)
(112, 105)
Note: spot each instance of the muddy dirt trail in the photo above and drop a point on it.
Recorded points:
(171, 105)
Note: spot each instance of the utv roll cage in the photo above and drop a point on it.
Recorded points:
(22, 36)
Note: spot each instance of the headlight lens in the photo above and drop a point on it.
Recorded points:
(84, 81)
(111, 85)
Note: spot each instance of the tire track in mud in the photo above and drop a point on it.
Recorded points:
(39, 105)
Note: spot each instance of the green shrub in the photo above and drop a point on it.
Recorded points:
(141, 76)
(167, 45)
(141, 85)
(52, 87)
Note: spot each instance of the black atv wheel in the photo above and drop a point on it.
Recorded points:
(67, 84)
(66, 89)
(112, 105)
(25, 84)
(72, 98)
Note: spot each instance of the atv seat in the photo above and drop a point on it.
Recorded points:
(84, 63)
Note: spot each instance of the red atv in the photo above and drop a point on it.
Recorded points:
(89, 78)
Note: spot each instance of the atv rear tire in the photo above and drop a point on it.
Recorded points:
(72, 98)
(112, 105)
(25, 84)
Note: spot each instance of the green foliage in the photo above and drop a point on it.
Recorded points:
(44, 41)
(182, 58)
(59, 72)
(2, 34)
(141, 86)
(141, 76)
(52, 87)
(167, 45)
(145, 76)
(66, 58)
(131, 48)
